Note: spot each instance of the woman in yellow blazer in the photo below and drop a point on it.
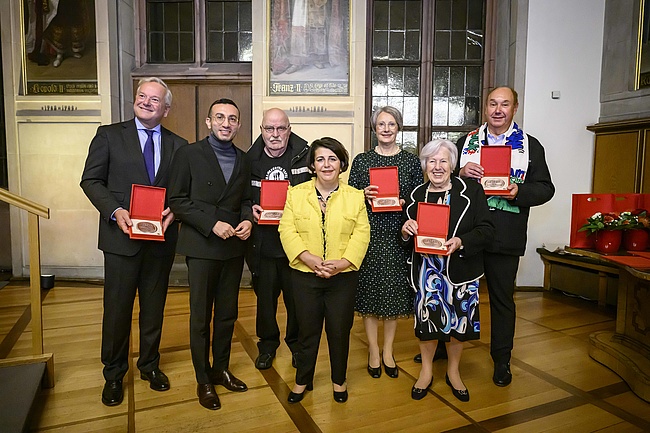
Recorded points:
(325, 233)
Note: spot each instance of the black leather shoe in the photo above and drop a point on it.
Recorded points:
(341, 396)
(208, 396)
(419, 393)
(113, 394)
(158, 381)
(374, 371)
(418, 358)
(294, 397)
(502, 375)
(229, 381)
(390, 371)
(294, 361)
(264, 361)
(460, 394)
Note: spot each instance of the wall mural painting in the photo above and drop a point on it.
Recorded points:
(59, 47)
(309, 47)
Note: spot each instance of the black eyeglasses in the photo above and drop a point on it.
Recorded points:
(272, 129)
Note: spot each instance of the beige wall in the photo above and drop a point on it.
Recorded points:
(46, 150)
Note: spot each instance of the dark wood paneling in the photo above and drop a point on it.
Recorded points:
(615, 163)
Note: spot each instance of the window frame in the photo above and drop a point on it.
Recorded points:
(200, 68)
(425, 129)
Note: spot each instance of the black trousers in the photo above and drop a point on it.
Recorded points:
(148, 275)
(213, 284)
(274, 276)
(500, 273)
(321, 300)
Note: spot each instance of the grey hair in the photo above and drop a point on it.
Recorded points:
(168, 93)
(389, 110)
(433, 147)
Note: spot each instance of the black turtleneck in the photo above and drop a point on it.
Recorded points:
(226, 155)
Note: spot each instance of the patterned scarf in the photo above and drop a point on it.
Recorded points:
(518, 140)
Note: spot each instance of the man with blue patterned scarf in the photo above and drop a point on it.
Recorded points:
(530, 185)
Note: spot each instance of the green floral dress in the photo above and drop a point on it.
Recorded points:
(384, 291)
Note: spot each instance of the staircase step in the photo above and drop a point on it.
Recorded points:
(19, 386)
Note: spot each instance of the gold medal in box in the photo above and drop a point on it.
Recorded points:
(387, 179)
(273, 195)
(147, 205)
(433, 225)
(495, 161)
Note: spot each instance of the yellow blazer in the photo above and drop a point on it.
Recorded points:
(347, 230)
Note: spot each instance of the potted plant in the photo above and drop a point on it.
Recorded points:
(606, 227)
(635, 226)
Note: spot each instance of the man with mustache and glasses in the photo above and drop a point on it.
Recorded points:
(210, 194)
(530, 185)
(277, 154)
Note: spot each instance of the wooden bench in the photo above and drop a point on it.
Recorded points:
(586, 276)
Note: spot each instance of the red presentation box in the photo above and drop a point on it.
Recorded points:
(147, 204)
(387, 179)
(433, 225)
(273, 195)
(584, 206)
(495, 160)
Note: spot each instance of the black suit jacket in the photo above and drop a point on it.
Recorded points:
(113, 165)
(199, 196)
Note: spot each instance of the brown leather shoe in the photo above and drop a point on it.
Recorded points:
(228, 380)
(208, 396)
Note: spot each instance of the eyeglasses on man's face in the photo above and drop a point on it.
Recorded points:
(272, 129)
(220, 118)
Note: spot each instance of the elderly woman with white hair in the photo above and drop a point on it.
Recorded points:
(446, 286)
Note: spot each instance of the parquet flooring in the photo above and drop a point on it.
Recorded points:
(557, 387)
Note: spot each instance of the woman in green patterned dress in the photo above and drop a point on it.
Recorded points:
(384, 293)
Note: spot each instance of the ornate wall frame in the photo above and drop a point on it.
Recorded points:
(59, 47)
(309, 47)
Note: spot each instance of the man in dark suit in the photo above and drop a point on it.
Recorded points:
(277, 154)
(530, 185)
(138, 151)
(210, 194)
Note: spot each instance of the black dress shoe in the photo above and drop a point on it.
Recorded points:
(229, 381)
(460, 394)
(502, 375)
(341, 396)
(418, 358)
(419, 393)
(158, 381)
(390, 371)
(374, 371)
(113, 394)
(264, 361)
(208, 396)
(294, 397)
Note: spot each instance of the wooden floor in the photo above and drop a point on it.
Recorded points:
(556, 386)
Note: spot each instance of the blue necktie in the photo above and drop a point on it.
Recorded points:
(148, 155)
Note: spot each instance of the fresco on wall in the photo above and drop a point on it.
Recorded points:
(59, 47)
(644, 46)
(309, 47)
